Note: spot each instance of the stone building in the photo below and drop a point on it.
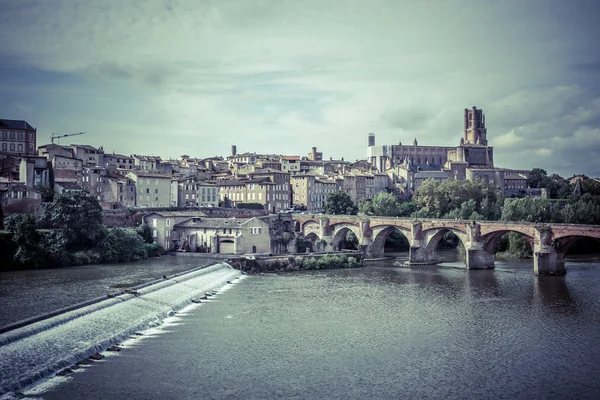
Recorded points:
(90, 155)
(16, 198)
(473, 158)
(224, 235)
(153, 189)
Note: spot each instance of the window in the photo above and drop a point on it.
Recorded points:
(147, 190)
(4, 146)
(20, 148)
(154, 233)
(155, 190)
(255, 231)
(12, 135)
(168, 222)
(12, 147)
(167, 233)
(154, 222)
(3, 134)
(20, 135)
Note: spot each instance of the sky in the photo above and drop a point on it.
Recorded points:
(169, 77)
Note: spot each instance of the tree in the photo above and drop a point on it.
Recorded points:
(385, 204)
(365, 206)
(79, 217)
(26, 238)
(46, 191)
(350, 241)
(530, 209)
(339, 203)
(476, 199)
(145, 232)
(537, 178)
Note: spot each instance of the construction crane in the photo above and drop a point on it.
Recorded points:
(55, 136)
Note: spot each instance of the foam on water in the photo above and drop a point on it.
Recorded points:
(32, 353)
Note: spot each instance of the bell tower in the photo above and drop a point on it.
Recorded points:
(475, 130)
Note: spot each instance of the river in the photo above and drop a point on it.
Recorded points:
(25, 294)
(380, 332)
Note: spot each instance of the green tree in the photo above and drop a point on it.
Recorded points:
(145, 232)
(538, 178)
(518, 246)
(121, 245)
(365, 206)
(46, 191)
(26, 238)
(79, 217)
(385, 204)
(530, 209)
(476, 199)
(339, 203)
(350, 241)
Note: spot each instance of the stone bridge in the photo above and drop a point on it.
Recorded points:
(550, 242)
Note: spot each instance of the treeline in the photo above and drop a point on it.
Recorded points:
(69, 233)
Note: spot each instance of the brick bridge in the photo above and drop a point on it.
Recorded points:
(550, 242)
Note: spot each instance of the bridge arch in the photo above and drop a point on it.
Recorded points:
(491, 239)
(312, 239)
(341, 230)
(433, 237)
(377, 248)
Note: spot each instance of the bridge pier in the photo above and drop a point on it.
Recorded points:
(419, 254)
(479, 259)
(548, 262)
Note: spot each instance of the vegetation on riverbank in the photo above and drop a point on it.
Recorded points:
(299, 263)
(73, 234)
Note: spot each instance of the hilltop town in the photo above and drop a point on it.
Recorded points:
(264, 183)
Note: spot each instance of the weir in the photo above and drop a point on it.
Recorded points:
(38, 350)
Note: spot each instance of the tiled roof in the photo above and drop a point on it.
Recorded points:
(150, 174)
(15, 124)
(196, 214)
(213, 223)
(69, 185)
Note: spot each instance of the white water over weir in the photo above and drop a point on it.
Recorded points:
(38, 350)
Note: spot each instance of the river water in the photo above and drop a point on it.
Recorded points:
(25, 294)
(378, 332)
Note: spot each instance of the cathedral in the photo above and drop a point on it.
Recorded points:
(409, 165)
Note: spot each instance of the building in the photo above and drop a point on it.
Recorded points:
(473, 158)
(34, 171)
(259, 190)
(90, 155)
(223, 235)
(118, 162)
(153, 189)
(192, 192)
(314, 155)
(18, 198)
(146, 163)
(279, 196)
(66, 170)
(17, 137)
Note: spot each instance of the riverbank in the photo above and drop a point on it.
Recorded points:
(40, 349)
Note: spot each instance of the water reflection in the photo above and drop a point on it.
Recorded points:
(482, 283)
(552, 294)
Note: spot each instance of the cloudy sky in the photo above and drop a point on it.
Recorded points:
(173, 77)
